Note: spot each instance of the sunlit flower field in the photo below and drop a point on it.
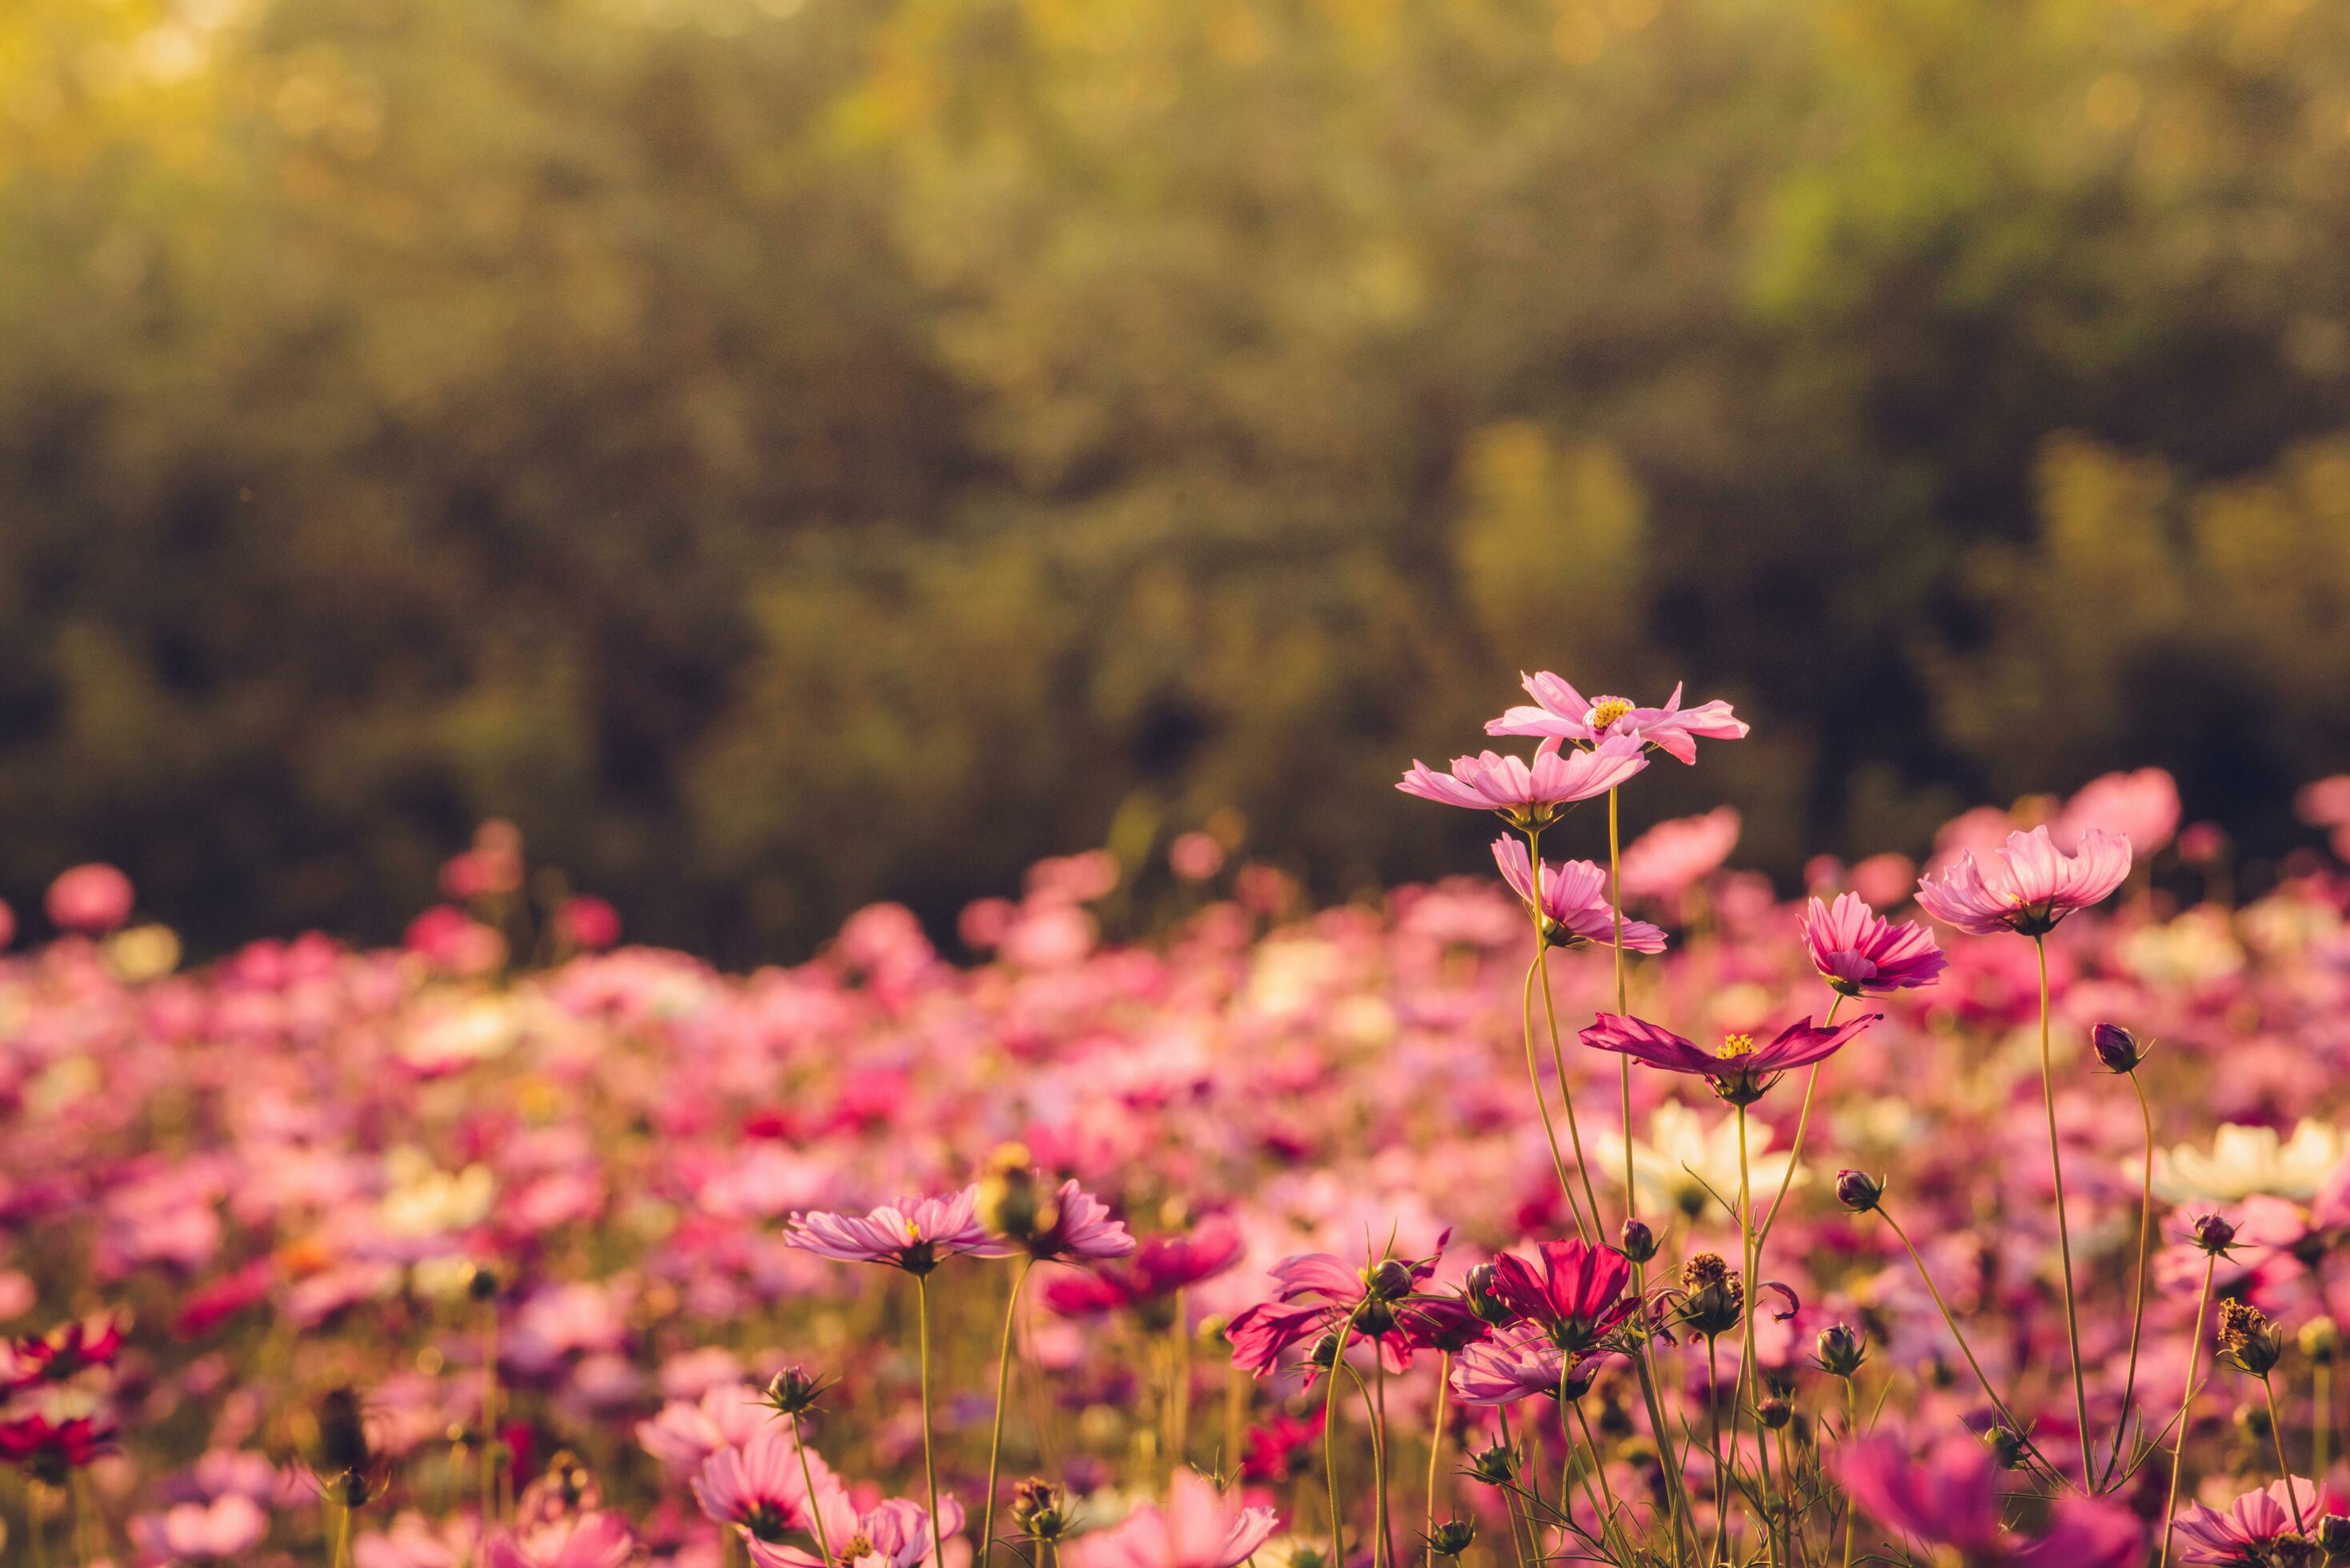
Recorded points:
(1597, 1204)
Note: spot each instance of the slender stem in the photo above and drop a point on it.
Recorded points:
(1330, 1444)
(1534, 1075)
(2185, 1401)
(489, 1410)
(1750, 1369)
(2276, 1435)
(1803, 1126)
(2138, 1306)
(815, 1505)
(1616, 905)
(1380, 1448)
(1851, 1431)
(2064, 1227)
(995, 1433)
(1720, 1471)
(1951, 1323)
(35, 1527)
(930, 1459)
(1508, 1494)
(1435, 1448)
(1598, 1467)
(1676, 1481)
(1542, 1104)
(342, 1536)
(2321, 1416)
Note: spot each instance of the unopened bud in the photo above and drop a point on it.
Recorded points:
(1013, 1203)
(2321, 1342)
(1637, 1242)
(2214, 1235)
(1713, 1296)
(2006, 1448)
(2116, 1047)
(1774, 1413)
(483, 1284)
(1859, 1191)
(1390, 1281)
(1038, 1511)
(1453, 1537)
(1494, 1466)
(792, 1392)
(2334, 1535)
(1478, 1288)
(1841, 1348)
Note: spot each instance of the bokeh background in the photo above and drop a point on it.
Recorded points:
(783, 453)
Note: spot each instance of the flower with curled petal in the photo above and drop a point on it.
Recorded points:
(1561, 712)
(2027, 887)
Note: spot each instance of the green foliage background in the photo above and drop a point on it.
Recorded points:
(785, 452)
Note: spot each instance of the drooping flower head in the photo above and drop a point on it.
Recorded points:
(1561, 712)
(915, 1235)
(1578, 1295)
(1575, 907)
(1741, 1071)
(1861, 953)
(2029, 885)
(2276, 1525)
(1528, 795)
(1199, 1528)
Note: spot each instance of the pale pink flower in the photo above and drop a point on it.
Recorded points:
(583, 1541)
(1561, 712)
(1574, 898)
(761, 1487)
(2257, 1524)
(1673, 857)
(1528, 795)
(1198, 1529)
(2027, 887)
(683, 1435)
(221, 1531)
(894, 1535)
(2142, 806)
(1862, 953)
(91, 900)
(912, 1234)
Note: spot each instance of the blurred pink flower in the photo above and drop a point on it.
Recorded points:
(1528, 795)
(894, 1535)
(1574, 898)
(597, 1539)
(221, 1531)
(1195, 857)
(1160, 1266)
(1861, 953)
(915, 1235)
(760, 1486)
(588, 924)
(1198, 1529)
(2027, 887)
(1950, 1499)
(1561, 712)
(2142, 806)
(2257, 1524)
(1673, 857)
(90, 900)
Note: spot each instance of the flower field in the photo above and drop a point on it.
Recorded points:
(1586, 1206)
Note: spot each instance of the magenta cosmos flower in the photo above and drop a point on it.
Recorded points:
(1577, 1297)
(2027, 887)
(910, 1234)
(1197, 1529)
(2260, 1527)
(1862, 953)
(1561, 712)
(1950, 1499)
(1528, 795)
(1162, 1266)
(1083, 1230)
(1742, 1070)
(1318, 1292)
(1575, 907)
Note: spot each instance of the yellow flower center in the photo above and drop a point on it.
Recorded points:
(1606, 711)
(913, 1232)
(1735, 1045)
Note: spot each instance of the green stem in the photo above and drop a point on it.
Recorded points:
(995, 1433)
(2276, 1435)
(2064, 1227)
(1803, 1126)
(1720, 1552)
(1600, 1469)
(1851, 1431)
(489, 1411)
(2186, 1402)
(1749, 1371)
(1380, 1450)
(1533, 1074)
(342, 1536)
(2137, 1305)
(1435, 1448)
(1616, 905)
(930, 1459)
(1330, 1444)
(815, 1505)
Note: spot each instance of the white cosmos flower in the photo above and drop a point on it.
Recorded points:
(1681, 1149)
(2248, 1162)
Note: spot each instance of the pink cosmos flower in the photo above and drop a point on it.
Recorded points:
(1198, 1529)
(1160, 1267)
(588, 923)
(760, 1487)
(583, 1541)
(895, 1534)
(1575, 906)
(1083, 1230)
(2259, 1525)
(220, 1532)
(1741, 1070)
(1672, 856)
(1529, 796)
(1561, 712)
(1318, 1292)
(2027, 887)
(91, 900)
(1517, 1363)
(1862, 953)
(684, 1435)
(915, 1235)
(1950, 1499)
(1577, 1298)
(2142, 806)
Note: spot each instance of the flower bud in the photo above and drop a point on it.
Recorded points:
(1453, 1537)
(2214, 1235)
(1478, 1289)
(1390, 1281)
(1013, 1203)
(2253, 1422)
(1713, 1296)
(1859, 1191)
(2006, 1448)
(1637, 1242)
(1774, 1413)
(1324, 1353)
(2249, 1341)
(2334, 1535)
(2321, 1342)
(2116, 1047)
(1494, 1466)
(483, 1284)
(1841, 1348)
(1038, 1511)
(792, 1392)
(342, 1432)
